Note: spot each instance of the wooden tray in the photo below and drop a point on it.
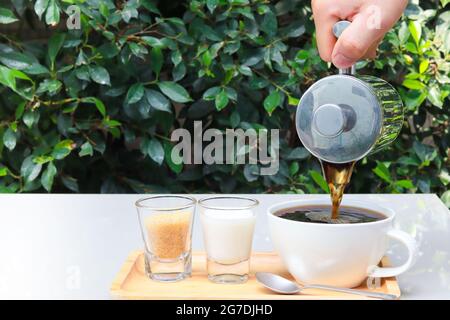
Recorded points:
(132, 283)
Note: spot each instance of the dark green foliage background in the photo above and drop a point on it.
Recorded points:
(92, 110)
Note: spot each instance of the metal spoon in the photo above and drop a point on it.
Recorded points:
(282, 285)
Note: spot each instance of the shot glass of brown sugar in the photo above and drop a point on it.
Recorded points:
(166, 226)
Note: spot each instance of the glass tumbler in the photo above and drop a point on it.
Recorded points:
(166, 226)
(228, 224)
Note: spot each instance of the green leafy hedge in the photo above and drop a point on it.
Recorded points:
(91, 110)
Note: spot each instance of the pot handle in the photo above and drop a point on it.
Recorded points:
(411, 246)
(338, 28)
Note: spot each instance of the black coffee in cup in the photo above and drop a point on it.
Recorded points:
(322, 214)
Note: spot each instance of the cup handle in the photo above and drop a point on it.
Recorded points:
(409, 243)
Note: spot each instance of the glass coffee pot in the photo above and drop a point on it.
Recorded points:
(344, 117)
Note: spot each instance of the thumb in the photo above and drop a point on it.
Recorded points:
(354, 42)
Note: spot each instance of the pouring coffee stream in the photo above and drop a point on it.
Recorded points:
(337, 177)
(342, 118)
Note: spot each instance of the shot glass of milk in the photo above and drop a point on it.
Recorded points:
(228, 223)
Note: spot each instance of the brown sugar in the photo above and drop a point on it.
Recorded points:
(169, 233)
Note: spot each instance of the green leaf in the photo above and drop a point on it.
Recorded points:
(251, 172)
(10, 139)
(177, 165)
(425, 152)
(408, 161)
(43, 159)
(383, 172)
(269, 24)
(81, 59)
(54, 46)
(7, 77)
(37, 69)
(153, 42)
(48, 176)
(296, 29)
(135, 93)
(403, 33)
(245, 70)
(412, 75)
(298, 153)
(424, 185)
(212, 4)
(423, 66)
(52, 16)
(20, 109)
(446, 198)
(444, 176)
(235, 119)
(411, 47)
(11, 188)
(29, 118)
(407, 184)
(272, 101)
(153, 148)
(20, 75)
(319, 180)
(82, 73)
(15, 60)
(253, 57)
(62, 149)
(416, 31)
(40, 6)
(51, 86)
(138, 50)
(293, 101)
(86, 150)
(99, 75)
(103, 8)
(294, 167)
(221, 100)
(98, 104)
(434, 96)
(129, 12)
(207, 58)
(211, 93)
(3, 171)
(413, 84)
(156, 60)
(7, 16)
(157, 100)
(70, 183)
(231, 93)
(176, 57)
(174, 91)
(29, 169)
(111, 123)
(150, 6)
(179, 72)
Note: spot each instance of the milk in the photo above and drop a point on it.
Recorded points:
(228, 234)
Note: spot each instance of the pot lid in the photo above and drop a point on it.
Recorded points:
(339, 119)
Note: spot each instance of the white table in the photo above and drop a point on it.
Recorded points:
(71, 246)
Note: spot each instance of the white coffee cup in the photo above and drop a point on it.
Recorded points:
(341, 255)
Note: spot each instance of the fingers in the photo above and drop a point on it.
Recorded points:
(372, 51)
(324, 21)
(325, 37)
(357, 41)
(371, 19)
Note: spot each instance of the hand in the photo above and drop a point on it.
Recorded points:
(371, 19)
